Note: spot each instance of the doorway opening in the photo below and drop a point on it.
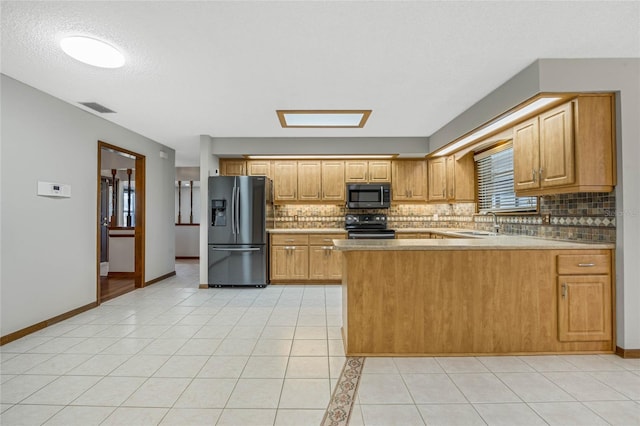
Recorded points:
(120, 221)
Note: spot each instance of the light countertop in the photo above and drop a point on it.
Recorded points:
(502, 242)
(307, 231)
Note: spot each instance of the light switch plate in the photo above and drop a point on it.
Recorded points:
(52, 189)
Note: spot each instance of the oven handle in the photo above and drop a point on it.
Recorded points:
(379, 236)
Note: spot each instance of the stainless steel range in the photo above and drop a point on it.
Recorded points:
(367, 226)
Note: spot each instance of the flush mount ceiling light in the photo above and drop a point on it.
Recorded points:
(93, 52)
(497, 124)
(323, 118)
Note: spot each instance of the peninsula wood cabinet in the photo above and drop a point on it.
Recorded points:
(371, 171)
(409, 180)
(570, 148)
(584, 297)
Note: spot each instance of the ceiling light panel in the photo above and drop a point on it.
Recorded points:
(93, 52)
(323, 118)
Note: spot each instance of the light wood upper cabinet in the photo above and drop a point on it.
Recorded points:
(333, 184)
(259, 168)
(367, 171)
(231, 167)
(409, 180)
(309, 180)
(543, 150)
(451, 179)
(437, 179)
(570, 148)
(285, 180)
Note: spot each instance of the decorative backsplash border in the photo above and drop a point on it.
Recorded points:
(574, 217)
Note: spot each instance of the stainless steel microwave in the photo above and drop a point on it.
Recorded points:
(368, 195)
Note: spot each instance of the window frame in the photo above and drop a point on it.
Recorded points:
(510, 210)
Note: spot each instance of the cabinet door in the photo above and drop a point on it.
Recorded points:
(584, 308)
(318, 262)
(285, 180)
(437, 179)
(309, 180)
(259, 168)
(233, 168)
(464, 176)
(451, 177)
(356, 171)
(401, 176)
(526, 160)
(409, 180)
(380, 171)
(279, 263)
(299, 263)
(333, 184)
(556, 147)
(334, 264)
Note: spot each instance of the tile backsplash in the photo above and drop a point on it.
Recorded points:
(576, 217)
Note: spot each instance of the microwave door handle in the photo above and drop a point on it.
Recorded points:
(381, 195)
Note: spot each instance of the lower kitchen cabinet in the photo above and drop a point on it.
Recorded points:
(289, 263)
(584, 297)
(305, 258)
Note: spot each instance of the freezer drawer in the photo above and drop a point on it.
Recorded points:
(241, 265)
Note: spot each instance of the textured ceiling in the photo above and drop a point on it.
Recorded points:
(223, 68)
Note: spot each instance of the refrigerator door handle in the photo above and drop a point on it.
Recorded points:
(237, 210)
(235, 249)
(233, 210)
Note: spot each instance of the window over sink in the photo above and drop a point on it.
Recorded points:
(494, 173)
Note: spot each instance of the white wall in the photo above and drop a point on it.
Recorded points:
(48, 246)
(584, 75)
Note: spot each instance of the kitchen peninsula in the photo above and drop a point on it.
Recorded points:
(476, 296)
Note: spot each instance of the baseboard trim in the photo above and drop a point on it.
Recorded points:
(160, 278)
(203, 286)
(187, 257)
(627, 353)
(46, 323)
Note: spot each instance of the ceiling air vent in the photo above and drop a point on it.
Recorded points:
(97, 107)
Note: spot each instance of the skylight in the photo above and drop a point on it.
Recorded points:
(93, 52)
(323, 118)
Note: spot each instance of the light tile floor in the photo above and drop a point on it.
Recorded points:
(172, 354)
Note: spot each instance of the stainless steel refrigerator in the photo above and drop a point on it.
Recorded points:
(240, 211)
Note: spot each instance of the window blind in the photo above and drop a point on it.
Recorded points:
(495, 182)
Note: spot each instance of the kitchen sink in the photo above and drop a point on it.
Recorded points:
(488, 234)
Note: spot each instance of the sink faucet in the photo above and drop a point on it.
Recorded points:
(496, 227)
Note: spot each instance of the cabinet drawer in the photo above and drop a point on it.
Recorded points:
(324, 239)
(584, 264)
(289, 239)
